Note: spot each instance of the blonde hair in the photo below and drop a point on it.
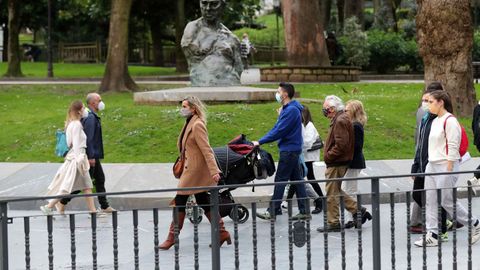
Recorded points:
(357, 112)
(197, 105)
(73, 112)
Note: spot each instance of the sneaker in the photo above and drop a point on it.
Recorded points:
(266, 216)
(475, 232)
(330, 228)
(430, 240)
(449, 224)
(284, 205)
(108, 210)
(60, 208)
(302, 216)
(474, 183)
(416, 229)
(46, 210)
(99, 214)
(444, 237)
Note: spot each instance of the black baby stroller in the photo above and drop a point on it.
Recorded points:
(240, 163)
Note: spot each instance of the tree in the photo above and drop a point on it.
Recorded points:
(325, 11)
(116, 76)
(445, 42)
(180, 22)
(13, 50)
(377, 5)
(354, 8)
(341, 13)
(304, 33)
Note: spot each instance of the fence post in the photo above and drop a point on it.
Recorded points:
(3, 236)
(214, 222)
(377, 261)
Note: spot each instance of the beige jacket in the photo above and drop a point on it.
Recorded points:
(200, 164)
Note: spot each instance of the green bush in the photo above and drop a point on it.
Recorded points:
(476, 46)
(411, 57)
(387, 50)
(354, 44)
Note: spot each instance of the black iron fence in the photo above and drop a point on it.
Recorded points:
(385, 243)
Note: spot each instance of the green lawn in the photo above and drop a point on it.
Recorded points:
(69, 70)
(31, 114)
(266, 36)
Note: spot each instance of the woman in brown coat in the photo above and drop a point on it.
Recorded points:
(200, 167)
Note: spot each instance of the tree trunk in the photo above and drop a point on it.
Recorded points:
(341, 14)
(325, 11)
(304, 33)
(157, 44)
(445, 42)
(14, 59)
(391, 14)
(377, 6)
(116, 76)
(180, 22)
(355, 8)
(5, 44)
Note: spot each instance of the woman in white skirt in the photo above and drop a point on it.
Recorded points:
(443, 156)
(73, 174)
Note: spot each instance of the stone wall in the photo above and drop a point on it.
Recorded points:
(310, 74)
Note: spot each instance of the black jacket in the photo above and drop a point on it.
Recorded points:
(421, 153)
(476, 126)
(358, 161)
(93, 130)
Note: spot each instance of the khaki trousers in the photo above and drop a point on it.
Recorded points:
(334, 191)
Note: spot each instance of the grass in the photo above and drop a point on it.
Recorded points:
(266, 36)
(70, 70)
(132, 133)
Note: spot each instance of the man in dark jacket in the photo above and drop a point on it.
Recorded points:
(338, 153)
(93, 129)
(288, 132)
(475, 180)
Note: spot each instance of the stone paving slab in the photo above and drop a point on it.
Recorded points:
(32, 179)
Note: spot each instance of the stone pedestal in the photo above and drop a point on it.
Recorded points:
(310, 74)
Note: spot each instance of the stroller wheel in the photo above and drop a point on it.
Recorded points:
(193, 221)
(242, 214)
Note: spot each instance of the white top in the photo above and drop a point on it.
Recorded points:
(437, 141)
(310, 135)
(76, 138)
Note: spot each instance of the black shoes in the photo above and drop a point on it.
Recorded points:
(365, 216)
(318, 206)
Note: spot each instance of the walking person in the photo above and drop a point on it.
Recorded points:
(246, 49)
(338, 154)
(310, 136)
(288, 132)
(73, 174)
(443, 156)
(475, 180)
(200, 168)
(420, 163)
(93, 130)
(358, 116)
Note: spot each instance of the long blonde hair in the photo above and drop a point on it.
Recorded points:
(356, 111)
(197, 105)
(73, 112)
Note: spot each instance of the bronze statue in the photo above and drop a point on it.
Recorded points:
(212, 51)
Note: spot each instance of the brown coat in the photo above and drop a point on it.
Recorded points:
(200, 164)
(340, 141)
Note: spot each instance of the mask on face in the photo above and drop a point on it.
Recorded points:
(185, 112)
(101, 106)
(325, 112)
(84, 113)
(425, 106)
(278, 97)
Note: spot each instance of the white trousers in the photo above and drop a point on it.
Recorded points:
(446, 183)
(351, 188)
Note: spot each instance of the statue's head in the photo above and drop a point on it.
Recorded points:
(212, 10)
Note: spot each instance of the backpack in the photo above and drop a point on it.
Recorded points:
(61, 147)
(463, 141)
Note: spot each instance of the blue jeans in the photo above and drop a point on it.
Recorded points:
(289, 169)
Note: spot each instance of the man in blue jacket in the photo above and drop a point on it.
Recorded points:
(288, 132)
(93, 129)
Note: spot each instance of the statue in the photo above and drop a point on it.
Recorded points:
(212, 51)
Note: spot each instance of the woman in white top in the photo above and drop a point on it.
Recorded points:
(73, 174)
(443, 156)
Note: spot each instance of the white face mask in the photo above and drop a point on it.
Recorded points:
(425, 106)
(101, 106)
(84, 113)
(185, 112)
(278, 97)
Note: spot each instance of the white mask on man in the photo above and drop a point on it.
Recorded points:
(101, 106)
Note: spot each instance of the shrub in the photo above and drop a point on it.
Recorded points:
(476, 46)
(354, 44)
(387, 50)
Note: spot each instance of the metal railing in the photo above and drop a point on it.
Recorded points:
(299, 235)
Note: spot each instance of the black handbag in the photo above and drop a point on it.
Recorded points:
(318, 144)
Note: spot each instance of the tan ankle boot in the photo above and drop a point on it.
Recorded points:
(170, 241)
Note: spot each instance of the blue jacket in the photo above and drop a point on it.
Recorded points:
(288, 129)
(93, 130)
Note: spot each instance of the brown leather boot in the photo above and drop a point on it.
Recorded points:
(170, 241)
(224, 234)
